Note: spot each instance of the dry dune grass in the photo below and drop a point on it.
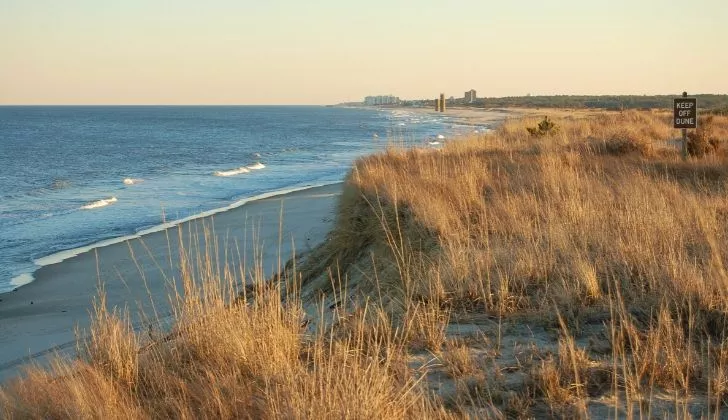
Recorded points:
(518, 223)
(222, 360)
(600, 220)
(580, 273)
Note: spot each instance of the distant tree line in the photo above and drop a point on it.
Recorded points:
(715, 103)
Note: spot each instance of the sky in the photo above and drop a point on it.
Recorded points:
(331, 51)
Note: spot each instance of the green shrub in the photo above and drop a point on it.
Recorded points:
(545, 127)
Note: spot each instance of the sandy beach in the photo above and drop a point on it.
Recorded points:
(492, 117)
(472, 116)
(40, 318)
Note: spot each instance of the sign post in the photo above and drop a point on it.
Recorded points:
(685, 115)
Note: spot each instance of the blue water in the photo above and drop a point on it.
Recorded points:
(155, 164)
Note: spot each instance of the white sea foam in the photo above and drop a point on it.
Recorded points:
(22, 279)
(434, 143)
(440, 136)
(100, 203)
(240, 170)
(233, 172)
(132, 181)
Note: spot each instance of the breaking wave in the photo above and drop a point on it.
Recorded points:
(240, 170)
(232, 172)
(100, 203)
(132, 181)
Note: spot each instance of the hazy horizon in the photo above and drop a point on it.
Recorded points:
(322, 52)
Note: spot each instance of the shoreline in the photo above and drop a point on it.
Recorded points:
(139, 274)
(24, 279)
(492, 117)
(20, 263)
(465, 116)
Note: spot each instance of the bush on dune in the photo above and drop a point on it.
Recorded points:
(544, 128)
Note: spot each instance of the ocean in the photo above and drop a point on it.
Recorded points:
(72, 178)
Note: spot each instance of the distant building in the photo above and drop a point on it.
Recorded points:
(381, 100)
(470, 96)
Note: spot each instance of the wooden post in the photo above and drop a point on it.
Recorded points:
(437, 104)
(685, 137)
(442, 102)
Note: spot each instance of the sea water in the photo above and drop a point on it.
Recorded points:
(71, 177)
